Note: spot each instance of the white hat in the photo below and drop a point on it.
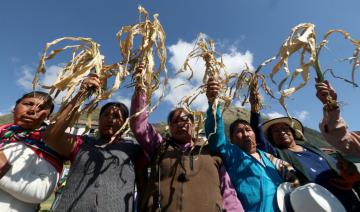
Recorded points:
(310, 198)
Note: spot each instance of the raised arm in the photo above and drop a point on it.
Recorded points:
(336, 133)
(333, 126)
(143, 131)
(255, 120)
(55, 136)
(214, 126)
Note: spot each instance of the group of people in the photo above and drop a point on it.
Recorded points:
(177, 172)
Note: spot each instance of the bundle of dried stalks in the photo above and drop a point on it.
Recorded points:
(152, 40)
(86, 59)
(303, 39)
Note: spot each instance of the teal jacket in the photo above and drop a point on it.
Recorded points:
(255, 183)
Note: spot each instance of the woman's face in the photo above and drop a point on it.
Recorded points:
(181, 127)
(282, 135)
(30, 112)
(245, 138)
(110, 121)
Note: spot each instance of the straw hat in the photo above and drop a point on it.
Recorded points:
(292, 122)
(310, 198)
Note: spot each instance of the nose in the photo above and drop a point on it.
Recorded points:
(246, 133)
(31, 110)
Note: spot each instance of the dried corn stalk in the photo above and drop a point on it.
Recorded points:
(213, 69)
(86, 59)
(153, 39)
(249, 80)
(303, 39)
(355, 59)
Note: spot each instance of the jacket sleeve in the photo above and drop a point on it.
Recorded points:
(336, 133)
(230, 200)
(143, 131)
(31, 178)
(262, 143)
(215, 132)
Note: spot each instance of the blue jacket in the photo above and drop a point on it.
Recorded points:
(255, 183)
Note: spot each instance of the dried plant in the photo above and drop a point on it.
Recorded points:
(249, 81)
(86, 59)
(214, 68)
(303, 39)
(152, 40)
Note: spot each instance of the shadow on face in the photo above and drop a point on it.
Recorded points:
(281, 135)
(31, 112)
(181, 125)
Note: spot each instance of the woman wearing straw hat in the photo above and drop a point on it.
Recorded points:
(284, 137)
(254, 173)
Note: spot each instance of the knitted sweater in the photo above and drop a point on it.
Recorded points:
(101, 178)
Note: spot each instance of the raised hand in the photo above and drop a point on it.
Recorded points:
(324, 90)
(212, 89)
(90, 84)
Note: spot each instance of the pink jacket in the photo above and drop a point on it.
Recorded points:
(336, 133)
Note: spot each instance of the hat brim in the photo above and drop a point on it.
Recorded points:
(317, 198)
(282, 190)
(292, 122)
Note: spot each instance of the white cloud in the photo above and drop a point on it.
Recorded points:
(27, 74)
(234, 61)
(122, 99)
(273, 115)
(26, 77)
(302, 115)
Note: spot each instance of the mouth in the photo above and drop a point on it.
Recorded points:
(248, 142)
(27, 119)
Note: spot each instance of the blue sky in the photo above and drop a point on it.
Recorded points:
(245, 31)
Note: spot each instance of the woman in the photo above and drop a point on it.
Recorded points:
(284, 138)
(254, 173)
(102, 175)
(29, 170)
(182, 176)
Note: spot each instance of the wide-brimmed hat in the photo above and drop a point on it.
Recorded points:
(292, 122)
(311, 197)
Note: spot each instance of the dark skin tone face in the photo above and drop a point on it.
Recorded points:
(181, 127)
(282, 135)
(30, 113)
(245, 138)
(110, 122)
